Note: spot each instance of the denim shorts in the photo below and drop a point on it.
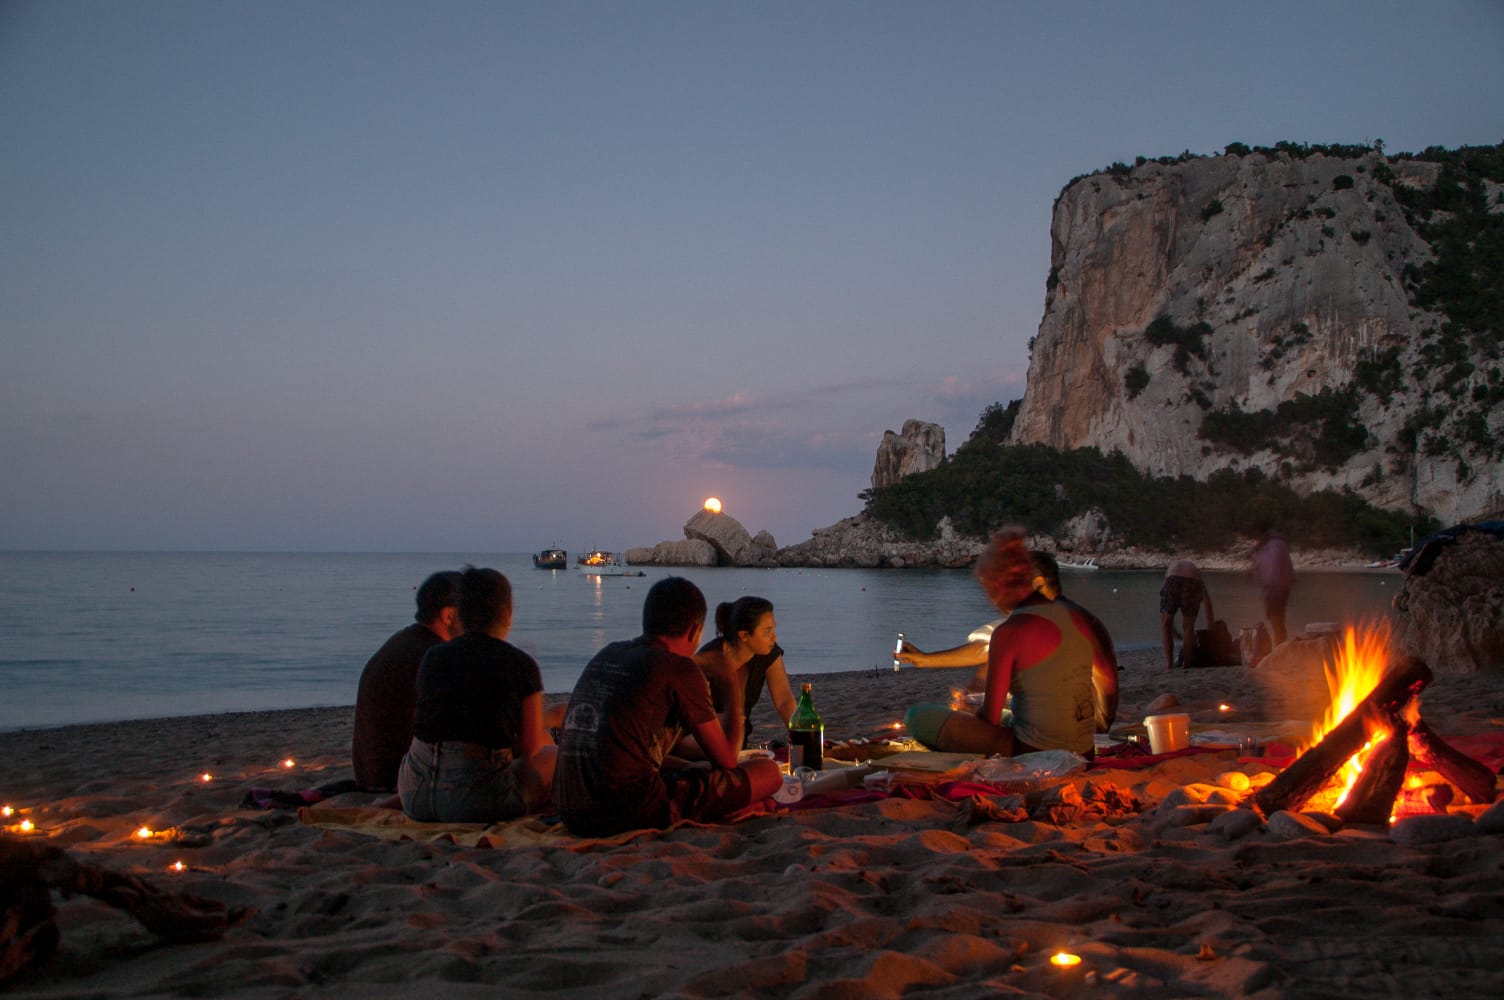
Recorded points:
(452, 782)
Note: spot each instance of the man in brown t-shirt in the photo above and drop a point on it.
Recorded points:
(387, 696)
(633, 702)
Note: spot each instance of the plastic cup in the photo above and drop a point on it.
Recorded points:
(1168, 733)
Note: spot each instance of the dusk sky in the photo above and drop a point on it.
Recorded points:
(473, 277)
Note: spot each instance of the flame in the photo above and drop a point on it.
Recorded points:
(1351, 676)
(1353, 673)
(957, 700)
(1065, 960)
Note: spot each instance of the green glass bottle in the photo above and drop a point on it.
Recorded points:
(806, 734)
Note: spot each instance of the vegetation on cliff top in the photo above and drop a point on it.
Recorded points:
(987, 484)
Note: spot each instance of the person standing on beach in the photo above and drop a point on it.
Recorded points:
(635, 700)
(387, 694)
(742, 658)
(479, 752)
(1040, 654)
(1185, 592)
(1104, 665)
(1276, 576)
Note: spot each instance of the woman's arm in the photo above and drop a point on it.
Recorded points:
(968, 654)
(531, 734)
(777, 679)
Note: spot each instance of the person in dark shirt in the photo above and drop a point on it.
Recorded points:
(632, 704)
(742, 658)
(387, 694)
(479, 751)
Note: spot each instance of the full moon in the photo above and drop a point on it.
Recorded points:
(713, 505)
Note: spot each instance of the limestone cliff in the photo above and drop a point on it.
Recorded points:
(1184, 296)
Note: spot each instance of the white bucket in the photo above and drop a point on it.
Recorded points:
(1168, 733)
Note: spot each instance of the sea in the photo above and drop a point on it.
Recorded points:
(108, 636)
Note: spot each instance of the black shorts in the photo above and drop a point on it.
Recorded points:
(1181, 593)
(707, 793)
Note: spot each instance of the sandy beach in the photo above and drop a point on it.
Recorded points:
(895, 894)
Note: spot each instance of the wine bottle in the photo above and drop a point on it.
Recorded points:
(806, 734)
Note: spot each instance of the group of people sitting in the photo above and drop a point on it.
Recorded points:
(451, 715)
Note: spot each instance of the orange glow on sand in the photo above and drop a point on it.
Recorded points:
(713, 505)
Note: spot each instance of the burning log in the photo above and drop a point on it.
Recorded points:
(1431, 751)
(1371, 799)
(1315, 767)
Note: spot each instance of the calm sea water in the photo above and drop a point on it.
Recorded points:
(106, 636)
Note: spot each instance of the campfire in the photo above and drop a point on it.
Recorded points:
(1373, 759)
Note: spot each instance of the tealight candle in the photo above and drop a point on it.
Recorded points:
(27, 826)
(1224, 708)
(7, 811)
(177, 866)
(144, 833)
(1065, 960)
(206, 777)
(289, 763)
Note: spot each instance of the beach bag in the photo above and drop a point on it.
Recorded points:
(1215, 648)
(1254, 644)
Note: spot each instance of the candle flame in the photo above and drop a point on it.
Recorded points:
(27, 826)
(144, 833)
(289, 763)
(177, 866)
(7, 811)
(1065, 960)
(206, 777)
(1224, 708)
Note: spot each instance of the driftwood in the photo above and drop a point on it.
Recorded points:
(28, 927)
(1314, 768)
(1371, 799)
(1431, 751)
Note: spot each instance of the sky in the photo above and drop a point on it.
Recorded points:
(453, 277)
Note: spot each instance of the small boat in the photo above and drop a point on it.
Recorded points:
(1090, 562)
(551, 559)
(598, 562)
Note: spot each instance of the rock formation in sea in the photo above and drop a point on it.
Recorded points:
(1263, 310)
(918, 448)
(711, 538)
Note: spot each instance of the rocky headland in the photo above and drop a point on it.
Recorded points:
(1325, 316)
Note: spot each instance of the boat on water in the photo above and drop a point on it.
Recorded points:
(1090, 562)
(599, 562)
(551, 559)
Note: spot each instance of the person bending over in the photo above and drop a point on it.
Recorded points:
(1039, 655)
(742, 658)
(632, 704)
(388, 694)
(479, 752)
(1183, 591)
